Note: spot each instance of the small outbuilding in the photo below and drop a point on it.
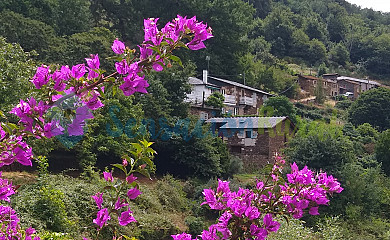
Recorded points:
(255, 140)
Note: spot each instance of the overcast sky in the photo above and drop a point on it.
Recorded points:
(378, 5)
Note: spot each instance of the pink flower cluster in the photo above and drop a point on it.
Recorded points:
(249, 212)
(9, 221)
(14, 149)
(124, 217)
(31, 117)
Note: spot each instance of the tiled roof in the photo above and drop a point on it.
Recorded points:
(241, 85)
(247, 122)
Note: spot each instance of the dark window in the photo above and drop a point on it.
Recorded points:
(248, 134)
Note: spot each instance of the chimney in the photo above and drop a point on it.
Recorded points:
(205, 76)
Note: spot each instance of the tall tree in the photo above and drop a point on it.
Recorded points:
(372, 107)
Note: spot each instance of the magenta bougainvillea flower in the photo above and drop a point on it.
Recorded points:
(98, 197)
(108, 176)
(102, 217)
(41, 77)
(93, 62)
(78, 71)
(126, 218)
(133, 193)
(118, 47)
(130, 179)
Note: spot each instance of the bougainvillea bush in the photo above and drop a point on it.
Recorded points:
(67, 97)
(249, 213)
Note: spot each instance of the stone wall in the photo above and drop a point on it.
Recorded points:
(259, 149)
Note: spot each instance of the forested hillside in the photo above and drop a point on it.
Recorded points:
(262, 38)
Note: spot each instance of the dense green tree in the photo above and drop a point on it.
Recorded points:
(16, 68)
(317, 52)
(337, 22)
(230, 20)
(65, 16)
(319, 92)
(279, 106)
(339, 54)
(382, 151)
(263, 7)
(202, 157)
(30, 34)
(320, 146)
(367, 133)
(278, 30)
(215, 100)
(379, 61)
(75, 48)
(167, 92)
(315, 28)
(372, 107)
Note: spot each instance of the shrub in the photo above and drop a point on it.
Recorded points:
(50, 208)
(195, 225)
(155, 226)
(170, 193)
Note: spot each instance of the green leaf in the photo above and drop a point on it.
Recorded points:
(2, 114)
(137, 146)
(114, 90)
(110, 187)
(170, 39)
(144, 172)
(148, 161)
(6, 128)
(101, 93)
(156, 49)
(120, 166)
(176, 59)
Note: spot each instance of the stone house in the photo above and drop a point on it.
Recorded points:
(334, 84)
(239, 98)
(255, 140)
(310, 83)
(354, 85)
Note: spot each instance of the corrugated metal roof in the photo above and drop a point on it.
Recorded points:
(357, 80)
(241, 85)
(247, 122)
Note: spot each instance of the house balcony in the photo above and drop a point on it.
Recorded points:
(246, 101)
(229, 99)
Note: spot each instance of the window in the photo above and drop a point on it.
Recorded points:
(235, 111)
(204, 116)
(223, 91)
(248, 134)
(314, 82)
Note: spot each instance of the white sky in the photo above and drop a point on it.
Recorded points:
(378, 5)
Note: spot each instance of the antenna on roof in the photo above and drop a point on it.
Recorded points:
(208, 63)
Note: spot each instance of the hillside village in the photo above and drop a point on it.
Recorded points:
(112, 129)
(249, 134)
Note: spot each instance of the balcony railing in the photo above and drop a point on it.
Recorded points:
(246, 101)
(230, 99)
